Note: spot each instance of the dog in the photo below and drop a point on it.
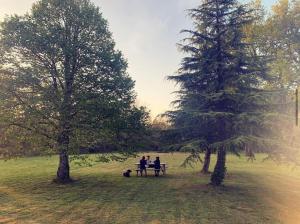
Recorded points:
(127, 173)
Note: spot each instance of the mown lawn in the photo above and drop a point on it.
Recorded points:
(259, 192)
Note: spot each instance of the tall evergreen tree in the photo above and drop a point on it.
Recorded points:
(221, 104)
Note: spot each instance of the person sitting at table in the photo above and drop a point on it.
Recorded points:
(157, 166)
(143, 164)
(149, 162)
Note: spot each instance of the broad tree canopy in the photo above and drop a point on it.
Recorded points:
(63, 83)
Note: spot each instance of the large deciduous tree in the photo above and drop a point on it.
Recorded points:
(63, 84)
(221, 105)
(276, 36)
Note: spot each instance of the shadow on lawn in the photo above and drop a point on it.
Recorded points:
(240, 186)
(168, 197)
(238, 183)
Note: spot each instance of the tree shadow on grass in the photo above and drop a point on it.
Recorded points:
(171, 197)
(241, 195)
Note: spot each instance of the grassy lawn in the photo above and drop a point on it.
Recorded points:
(253, 193)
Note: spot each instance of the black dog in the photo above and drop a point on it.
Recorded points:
(127, 173)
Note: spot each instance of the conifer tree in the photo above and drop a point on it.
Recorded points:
(221, 104)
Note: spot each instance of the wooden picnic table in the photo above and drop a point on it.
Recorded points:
(163, 168)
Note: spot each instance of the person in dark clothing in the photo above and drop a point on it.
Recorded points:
(157, 166)
(143, 163)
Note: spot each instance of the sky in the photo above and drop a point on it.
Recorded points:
(146, 31)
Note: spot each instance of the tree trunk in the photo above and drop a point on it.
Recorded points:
(220, 170)
(63, 172)
(205, 168)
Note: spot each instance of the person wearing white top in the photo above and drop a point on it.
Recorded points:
(149, 162)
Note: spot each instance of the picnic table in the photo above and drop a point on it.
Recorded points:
(163, 168)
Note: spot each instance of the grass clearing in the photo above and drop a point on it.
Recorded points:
(259, 192)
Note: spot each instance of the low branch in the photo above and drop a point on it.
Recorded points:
(33, 129)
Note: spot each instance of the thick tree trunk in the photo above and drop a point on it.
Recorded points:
(205, 168)
(220, 170)
(63, 172)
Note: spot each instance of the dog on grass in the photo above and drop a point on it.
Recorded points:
(127, 173)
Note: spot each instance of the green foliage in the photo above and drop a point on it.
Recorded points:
(222, 99)
(193, 158)
(282, 43)
(64, 86)
(276, 37)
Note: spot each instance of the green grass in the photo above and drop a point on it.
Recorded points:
(259, 192)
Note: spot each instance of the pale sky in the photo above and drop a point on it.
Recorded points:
(146, 31)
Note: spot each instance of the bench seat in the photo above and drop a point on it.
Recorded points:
(151, 169)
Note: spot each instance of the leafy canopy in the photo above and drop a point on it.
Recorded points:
(62, 78)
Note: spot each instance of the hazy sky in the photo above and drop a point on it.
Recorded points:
(146, 31)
